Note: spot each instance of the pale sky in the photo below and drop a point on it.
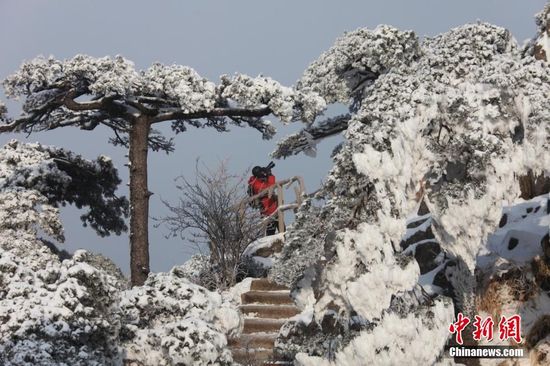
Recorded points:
(276, 38)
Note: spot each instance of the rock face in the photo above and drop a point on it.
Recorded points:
(539, 47)
(532, 186)
(419, 241)
(452, 122)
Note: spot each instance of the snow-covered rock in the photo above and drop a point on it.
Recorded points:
(513, 272)
(415, 330)
(540, 46)
(259, 255)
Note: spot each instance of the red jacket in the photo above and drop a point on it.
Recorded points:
(269, 205)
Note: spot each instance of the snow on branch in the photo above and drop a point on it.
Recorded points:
(177, 114)
(262, 125)
(285, 103)
(344, 74)
(98, 76)
(29, 211)
(85, 92)
(179, 86)
(167, 314)
(76, 311)
(307, 139)
(61, 177)
(356, 59)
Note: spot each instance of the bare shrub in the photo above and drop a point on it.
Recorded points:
(209, 214)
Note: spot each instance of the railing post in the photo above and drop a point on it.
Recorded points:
(280, 213)
(302, 185)
(298, 193)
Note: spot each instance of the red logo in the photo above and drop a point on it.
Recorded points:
(459, 326)
(510, 328)
(483, 328)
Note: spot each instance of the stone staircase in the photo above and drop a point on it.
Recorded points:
(265, 307)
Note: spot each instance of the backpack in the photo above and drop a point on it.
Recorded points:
(254, 203)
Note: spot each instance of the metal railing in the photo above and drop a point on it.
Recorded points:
(279, 187)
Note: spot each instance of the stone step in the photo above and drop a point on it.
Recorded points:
(252, 357)
(263, 284)
(257, 357)
(255, 325)
(254, 340)
(270, 311)
(267, 297)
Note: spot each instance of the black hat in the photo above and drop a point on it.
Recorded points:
(258, 172)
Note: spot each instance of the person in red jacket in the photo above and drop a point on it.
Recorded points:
(261, 179)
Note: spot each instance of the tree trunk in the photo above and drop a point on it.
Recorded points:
(139, 201)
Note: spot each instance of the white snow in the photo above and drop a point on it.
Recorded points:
(527, 227)
(253, 92)
(427, 279)
(234, 293)
(462, 114)
(422, 227)
(414, 340)
(264, 242)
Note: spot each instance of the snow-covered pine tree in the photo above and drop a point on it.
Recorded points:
(62, 177)
(458, 118)
(86, 92)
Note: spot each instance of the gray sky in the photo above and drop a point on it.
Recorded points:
(276, 38)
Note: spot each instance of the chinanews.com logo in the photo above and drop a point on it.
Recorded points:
(509, 328)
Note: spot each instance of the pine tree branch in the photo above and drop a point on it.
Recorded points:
(10, 127)
(71, 104)
(178, 114)
(308, 137)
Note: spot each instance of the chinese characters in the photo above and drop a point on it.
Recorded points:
(508, 327)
